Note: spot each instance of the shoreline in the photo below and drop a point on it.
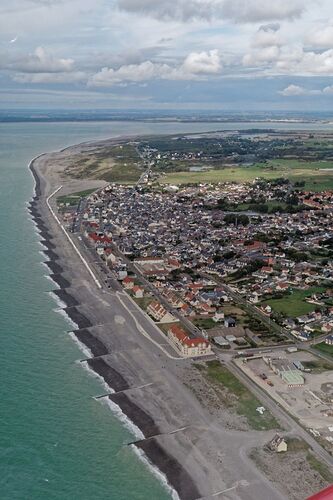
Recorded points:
(91, 344)
(184, 441)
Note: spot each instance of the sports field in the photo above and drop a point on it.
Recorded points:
(294, 305)
(318, 176)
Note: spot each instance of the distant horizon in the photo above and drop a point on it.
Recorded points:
(176, 113)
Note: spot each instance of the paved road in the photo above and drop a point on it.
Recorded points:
(251, 308)
(143, 325)
(146, 283)
(280, 412)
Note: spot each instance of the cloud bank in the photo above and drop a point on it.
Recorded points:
(245, 11)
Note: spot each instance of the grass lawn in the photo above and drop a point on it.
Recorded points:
(124, 173)
(144, 302)
(296, 444)
(317, 175)
(116, 164)
(320, 467)
(165, 326)
(325, 348)
(245, 403)
(242, 207)
(294, 305)
(205, 323)
(318, 366)
(73, 199)
(240, 316)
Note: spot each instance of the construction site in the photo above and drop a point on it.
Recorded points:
(300, 382)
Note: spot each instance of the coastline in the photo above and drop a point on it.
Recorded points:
(198, 456)
(90, 344)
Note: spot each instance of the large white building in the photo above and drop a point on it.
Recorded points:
(186, 345)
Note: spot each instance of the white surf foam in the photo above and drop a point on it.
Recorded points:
(41, 244)
(37, 231)
(96, 375)
(155, 471)
(117, 411)
(46, 266)
(42, 252)
(48, 277)
(63, 313)
(60, 303)
(83, 348)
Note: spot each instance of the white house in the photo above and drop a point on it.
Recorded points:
(159, 313)
(186, 345)
(138, 292)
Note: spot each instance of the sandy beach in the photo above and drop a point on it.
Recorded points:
(200, 455)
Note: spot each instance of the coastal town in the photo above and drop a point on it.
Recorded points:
(232, 277)
(205, 260)
(166, 299)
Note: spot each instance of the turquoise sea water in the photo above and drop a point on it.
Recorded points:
(56, 441)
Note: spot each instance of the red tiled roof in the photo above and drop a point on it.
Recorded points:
(267, 269)
(185, 339)
(100, 239)
(256, 245)
(128, 279)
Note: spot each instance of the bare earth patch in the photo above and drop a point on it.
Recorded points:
(303, 478)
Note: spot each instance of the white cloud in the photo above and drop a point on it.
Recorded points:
(264, 56)
(300, 62)
(235, 10)
(328, 90)
(72, 77)
(263, 10)
(38, 18)
(196, 65)
(298, 90)
(321, 37)
(290, 59)
(147, 70)
(39, 62)
(267, 36)
(202, 63)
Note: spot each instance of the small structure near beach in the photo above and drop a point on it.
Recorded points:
(158, 312)
(278, 444)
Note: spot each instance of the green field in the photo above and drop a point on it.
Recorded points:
(73, 199)
(317, 175)
(205, 323)
(318, 365)
(294, 305)
(271, 204)
(242, 400)
(144, 302)
(113, 164)
(325, 348)
(320, 467)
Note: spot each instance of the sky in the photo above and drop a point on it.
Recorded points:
(242, 55)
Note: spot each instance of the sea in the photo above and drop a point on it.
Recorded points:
(56, 441)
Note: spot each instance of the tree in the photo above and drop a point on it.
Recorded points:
(241, 219)
(259, 207)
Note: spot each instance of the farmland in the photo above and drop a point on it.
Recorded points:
(316, 175)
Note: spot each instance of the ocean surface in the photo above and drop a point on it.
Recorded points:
(56, 441)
